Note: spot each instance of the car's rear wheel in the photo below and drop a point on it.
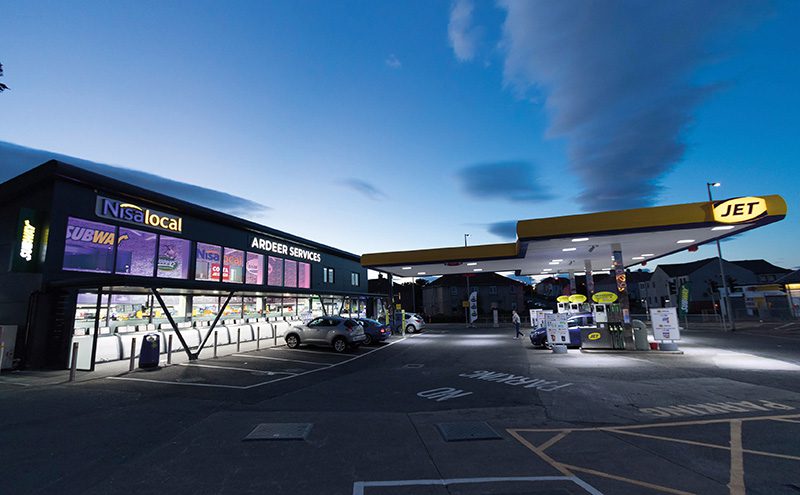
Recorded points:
(292, 341)
(368, 339)
(339, 344)
(410, 329)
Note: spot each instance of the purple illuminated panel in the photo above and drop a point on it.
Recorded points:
(89, 246)
(173, 257)
(255, 269)
(290, 274)
(233, 267)
(303, 275)
(275, 271)
(208, 262)
(136, 252)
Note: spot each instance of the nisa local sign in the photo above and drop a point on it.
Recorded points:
(275, 247)
(740, 210)
(135, 214)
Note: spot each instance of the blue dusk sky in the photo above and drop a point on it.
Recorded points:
(385, 125)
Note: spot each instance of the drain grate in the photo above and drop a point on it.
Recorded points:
(467, 430)
(280, 431)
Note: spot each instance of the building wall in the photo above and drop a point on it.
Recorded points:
(448, 300)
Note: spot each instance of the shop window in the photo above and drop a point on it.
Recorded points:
(233, 266)
(255, 269)
(253, 307)
(173, 257)
(129, 309)
(205, 307)
(207, 262)
(354, 279)
(275, 271)
(303, 275)
(136, 251)
(89, 246)
(493, 290)
(274, 306)
(290, 273)
(177, 307)
(327, 275)
(86, 309)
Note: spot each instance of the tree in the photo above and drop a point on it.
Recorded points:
(3, 87)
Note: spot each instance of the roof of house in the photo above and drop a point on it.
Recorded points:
(683, 269)
(761, 267)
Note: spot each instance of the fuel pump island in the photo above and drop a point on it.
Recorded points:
(583, 244)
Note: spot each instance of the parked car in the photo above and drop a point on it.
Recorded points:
(576, 322)
(414, 322)
(335, 331)
(374, 331)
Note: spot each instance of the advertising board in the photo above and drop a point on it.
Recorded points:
(665, 324)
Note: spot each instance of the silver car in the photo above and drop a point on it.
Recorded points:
(335, 331)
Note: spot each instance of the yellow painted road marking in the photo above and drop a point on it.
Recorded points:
(557, 465)
(703, 444)
(645, 484)
(736, 484)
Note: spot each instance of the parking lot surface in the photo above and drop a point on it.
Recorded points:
(448, 411)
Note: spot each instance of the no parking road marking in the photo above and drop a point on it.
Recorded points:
(516, 380)
(714, 408)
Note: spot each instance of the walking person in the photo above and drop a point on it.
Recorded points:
(515, 319)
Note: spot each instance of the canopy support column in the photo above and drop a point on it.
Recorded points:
(173, 324)
(587, 264)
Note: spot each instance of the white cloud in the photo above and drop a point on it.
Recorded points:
(393, 62)
(463, 35)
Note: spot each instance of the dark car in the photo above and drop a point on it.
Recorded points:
(374, 330)
(575, 322)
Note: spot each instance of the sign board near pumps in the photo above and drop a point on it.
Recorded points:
(665, 324)
(473, 307)
(740, 210)
(557, 328)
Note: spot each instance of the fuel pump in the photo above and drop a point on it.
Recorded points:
(608, 332)
(563, 307)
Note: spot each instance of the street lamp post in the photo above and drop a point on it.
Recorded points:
(466, 276)
(726, 297)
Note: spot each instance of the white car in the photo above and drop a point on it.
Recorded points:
(414, 322)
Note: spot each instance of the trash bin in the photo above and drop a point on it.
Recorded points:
(640, 338)
(150, 352)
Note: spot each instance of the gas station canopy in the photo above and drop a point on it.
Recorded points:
(568, 244)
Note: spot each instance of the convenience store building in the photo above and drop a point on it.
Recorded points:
(96, 260)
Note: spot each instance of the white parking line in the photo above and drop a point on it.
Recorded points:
(358, 486)
(193, 365)
(281, 359)
(245, 387)
(283, 348)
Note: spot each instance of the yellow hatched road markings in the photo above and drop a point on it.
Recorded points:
(735, 485)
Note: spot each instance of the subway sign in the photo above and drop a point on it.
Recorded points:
(275, 247)
(740, 210)
(130, 213)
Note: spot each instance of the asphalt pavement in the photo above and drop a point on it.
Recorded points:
(449, 411)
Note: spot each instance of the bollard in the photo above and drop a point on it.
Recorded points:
(215, 343)
(238, 339)
(133, 353)
(74, 362)
(169, 350)
(258, 337)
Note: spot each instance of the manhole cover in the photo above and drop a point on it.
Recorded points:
(280, 431)
(467, 430)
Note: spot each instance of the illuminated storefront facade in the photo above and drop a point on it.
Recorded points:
(92, 254)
